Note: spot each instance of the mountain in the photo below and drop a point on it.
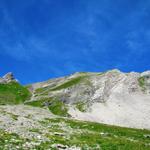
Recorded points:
(111, 97)
(81, 111)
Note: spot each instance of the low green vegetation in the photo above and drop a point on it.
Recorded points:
(11, 141)
(39, 103)
(69, 83)
(13, 116)
(101, 73)
(56, 106)
(36, 130)
(95, 136)
(63, 132)
(141, 81)
(13, 93)
(81, 106)
(41, 90)
(28, 86)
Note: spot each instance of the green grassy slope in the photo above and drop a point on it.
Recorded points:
(95, 136)
(84, 135)
(56, 106)
(67, 84)
(13, 93)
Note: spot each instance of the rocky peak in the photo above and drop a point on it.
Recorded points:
(7, 78)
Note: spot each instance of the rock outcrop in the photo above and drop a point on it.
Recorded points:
(9, 77)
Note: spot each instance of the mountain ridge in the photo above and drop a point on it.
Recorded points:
(87, 95)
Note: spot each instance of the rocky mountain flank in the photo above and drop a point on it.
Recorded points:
(111, 97)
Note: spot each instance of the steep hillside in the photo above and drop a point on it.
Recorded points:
(111, 97)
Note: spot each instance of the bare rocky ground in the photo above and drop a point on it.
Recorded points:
(29, 123)
(20, 118)
(130, 111)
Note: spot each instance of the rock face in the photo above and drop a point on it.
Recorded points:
(93, 87)
(112, 97)
(7, 78)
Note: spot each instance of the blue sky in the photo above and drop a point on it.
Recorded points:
(42, 39)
